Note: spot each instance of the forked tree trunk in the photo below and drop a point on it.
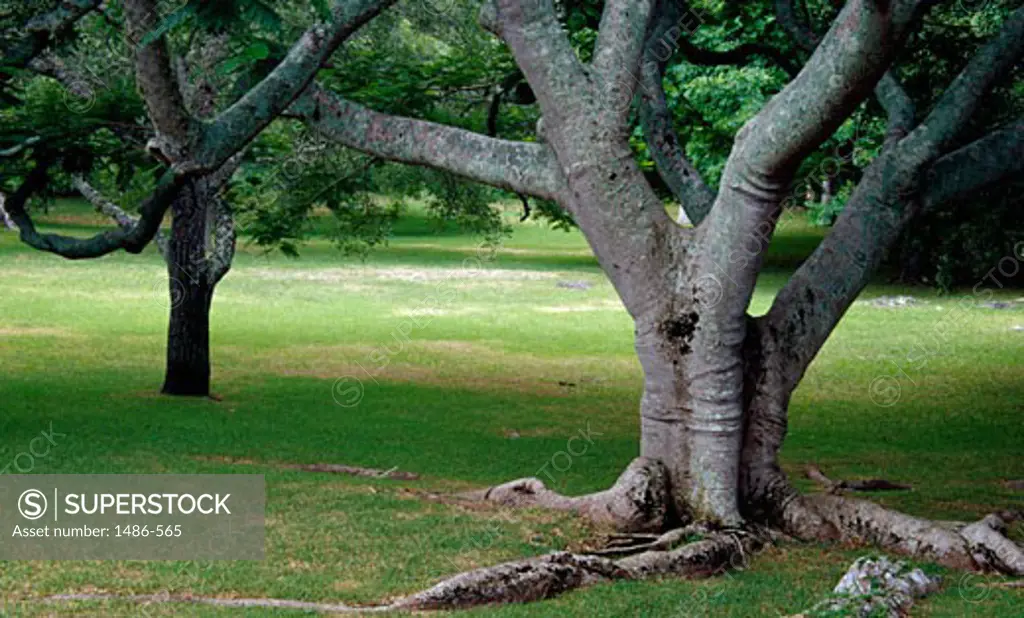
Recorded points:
(191, 296)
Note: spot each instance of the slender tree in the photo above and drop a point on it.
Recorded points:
(199, 149)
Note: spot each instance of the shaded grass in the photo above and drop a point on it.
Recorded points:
(485, 386)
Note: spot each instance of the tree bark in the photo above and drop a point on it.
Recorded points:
(191, 295)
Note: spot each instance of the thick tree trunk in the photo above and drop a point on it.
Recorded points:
(191, 295)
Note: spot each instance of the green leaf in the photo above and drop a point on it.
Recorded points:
(257, 51)
(169, 23)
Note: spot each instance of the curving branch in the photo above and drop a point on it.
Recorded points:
(516, 166)
(988, 161)
(240, 123)
(889, 91)
(104, 206)
(51, 66)
(681, 177)
(834, 81)
(132, 239)
(954, 109)
(739, 55)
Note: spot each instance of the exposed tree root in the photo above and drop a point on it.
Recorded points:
(1017, 583)
(638, 502)
(978, 546)
(628, 544)
(393, 473)
(832, 486)
(521, 581)
(873, 586)
(144, 599)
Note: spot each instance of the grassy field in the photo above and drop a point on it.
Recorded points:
(489, 371)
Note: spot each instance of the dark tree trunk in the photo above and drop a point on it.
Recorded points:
(191, 295)
(188, 341)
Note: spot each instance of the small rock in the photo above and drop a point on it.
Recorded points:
(1018, 328)
(877, 586)
(894, 301)
(575, 285)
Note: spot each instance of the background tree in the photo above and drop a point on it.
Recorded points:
(196, 141)
(82, 62)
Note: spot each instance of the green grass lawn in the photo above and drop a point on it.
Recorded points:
(499, 367)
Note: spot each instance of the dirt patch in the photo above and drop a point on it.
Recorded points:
(579, 308)
(432, 312)
(412, 275)
(393, 473)
(471, 251)
(16, 331)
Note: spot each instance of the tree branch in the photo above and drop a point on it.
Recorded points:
(156, 79)
(621, 40)
(609, 198)
(132, 239)
(898, 106)
(241, 122)
(817, 296)
(682, 178)
(843, 69)
(533, 33)
(125, 221)
(956, 106)
(739, 55)
(516, 166)
(53, 67)
(889, 91)
(983, 163)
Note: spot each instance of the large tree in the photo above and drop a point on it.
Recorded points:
(717, 380)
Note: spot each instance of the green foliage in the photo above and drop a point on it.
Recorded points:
(960, 243)
(824, 212)
(967, 243)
